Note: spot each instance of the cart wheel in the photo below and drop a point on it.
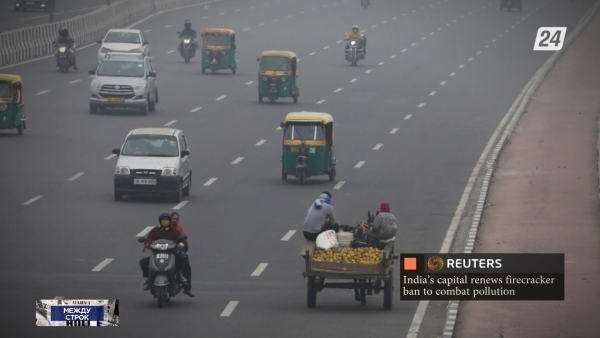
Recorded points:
(311, 293)
(363, 296)
(388, 290)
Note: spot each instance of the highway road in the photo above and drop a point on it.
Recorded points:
(438, 78)
(65, 9)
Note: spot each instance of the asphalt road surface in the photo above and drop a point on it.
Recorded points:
(438, 78)
(65, 9)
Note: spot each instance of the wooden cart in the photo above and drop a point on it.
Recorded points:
(368, 277)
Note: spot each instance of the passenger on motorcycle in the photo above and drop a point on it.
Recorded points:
(65, 39)
(183, 247)
(356, 35)
(188, 31)
(164, 231)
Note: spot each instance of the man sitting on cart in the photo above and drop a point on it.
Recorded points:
(384, 225)
(320, 217)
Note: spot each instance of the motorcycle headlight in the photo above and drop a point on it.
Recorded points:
(264, 78)
(283, 79)
(186, 40)
(207, 52)
(62, 49)
(169, 172)
(122, 171)
(3, 107)
(353, 43)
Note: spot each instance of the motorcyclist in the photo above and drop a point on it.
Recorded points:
(188, 31)
(320, 217)
(164, 231)
(356, 35)
(65, 39)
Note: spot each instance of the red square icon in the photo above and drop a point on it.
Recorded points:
(410, 263)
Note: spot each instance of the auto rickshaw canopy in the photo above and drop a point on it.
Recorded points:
(282, 53)
(225, 31)
(11, 79)
(324, 118)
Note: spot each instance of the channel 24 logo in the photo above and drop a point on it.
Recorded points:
(550, 38)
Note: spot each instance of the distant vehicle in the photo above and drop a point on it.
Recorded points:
(124, 80)
(278, 75)
(12, 103)
(218, 49)
(123, 40)
(21, 5)
(153, 161)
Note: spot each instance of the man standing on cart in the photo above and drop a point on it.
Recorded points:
(320, 217)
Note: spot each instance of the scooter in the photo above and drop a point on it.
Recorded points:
(65, 59)
(163, 280)
(187, 48)
(355, 53)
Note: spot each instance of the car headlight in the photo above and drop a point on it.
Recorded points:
(3, 107)
(104, 50)
(186, 40)
(264, 78)
(207, 52)
(138, 87)
(122, 171)
(96, 85)
(62, 49)
(169, 172)
(283, 79)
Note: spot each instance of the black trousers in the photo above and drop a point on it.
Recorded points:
(182, 262)
(313, 236)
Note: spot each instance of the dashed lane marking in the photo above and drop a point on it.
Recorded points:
(321, 101)
(275, 20)
(470, 59)
(407, 117)
(209, 182)
(229, 308)
(171, 51)
(261, 267)
(102, 265)
(42, 93)
(249, 83)
(195, 109)
(353, 80)
(222, 13)
(432, 93)
(367, 71)
(110, 157)
(325, 47)
(147, 30)
(339, 185)
(74, 81)
(421, 105)
(394, 130)
(59, 297)
(167, 26)
(381, 63)
(245, 29)
(337, 90)
(74, 177)
(288, 235)
(478, 52)
(170, 123)
(461, 66)
(423, 38)
(237, 160)
(260, 143)
(393, 57)
(404, 50)
(442, 83)
(220, 97)
(414, 44)
(487, 46)
(452, 74)
(262, 24)
(359, 164)
(144, 232)
(340, 41)
(180, 205)
(32, 200)
(378, 146)
(313, 53)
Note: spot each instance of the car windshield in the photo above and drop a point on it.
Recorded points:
(5, 90)
(121, 68)
(216, 40)
(274, 63)
(304, 131)
(121, 37)
(151, 145)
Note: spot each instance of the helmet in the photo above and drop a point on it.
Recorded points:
(187, 24)
(355, 27)
(163, 216)
(64, 32)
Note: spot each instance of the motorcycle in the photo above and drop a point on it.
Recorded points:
(365, 3)
(163, 279)
(355, 53)
(65, 60)
(187, 51)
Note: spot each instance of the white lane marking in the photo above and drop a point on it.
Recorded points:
(454, 20)
(313, 53)
(325, 47)
(339, 185)
(494, 40)
(404, 50)
(452, 74)
(442, 83)
(423, 38)
(144, 232)
(249, 83)
(499, 35)
(462, 16)
(103, 264)
(487, 46)
(222, 13)
(432, 93)
(403, 14)
(261, 267)
(32, 200)
(470, 59)
(381, 63)
(337, 90)
(439, 28)
(339, 41)
(461, 66)
(367, 71)
(512, 26)
(245, 29)
(278, 128)
(414, 44)
(209, 182)
(313, 9)
(431, 33)
(373, 26)
(74, 81)
(195, 109)
(262, 24)
(302, 12)
(206, 17)
(229, 308)
(167, 26)
(394, 18)
(288, 235)
(171, 51)
(109, 156)
(41, 93)
(237, 160)
(220, 97)
(407, 117)
(447, 25)
(170, 123)
(321, 101)
(394, 130)
(74, 177)
(59, 297)
(570, 261)
(384, 22)
(478, 52)
(378, 146)
(260, 143)
(353, 80)
(275, 20)
(421, 105)
(324, 6)
(359, 164)
(147, 30)
(414, 11)
(393, 57)
(252, 7)
(180, 205)
(364, 30)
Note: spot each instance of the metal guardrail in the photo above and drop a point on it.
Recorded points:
(25, 43)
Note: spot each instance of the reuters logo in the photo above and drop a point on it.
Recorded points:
(435, 263)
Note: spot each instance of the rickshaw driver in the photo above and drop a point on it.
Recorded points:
(188, 31)
(357, 36)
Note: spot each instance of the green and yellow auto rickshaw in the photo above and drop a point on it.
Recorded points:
(307, 146)
(278, 75)
(218, 49)
(12, 103)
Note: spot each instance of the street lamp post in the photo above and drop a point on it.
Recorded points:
(51, 7)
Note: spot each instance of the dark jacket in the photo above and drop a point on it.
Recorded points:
(156, 233)
(65, 41)
(188, 32)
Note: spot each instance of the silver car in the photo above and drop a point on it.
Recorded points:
(124, 80)
(155, 161)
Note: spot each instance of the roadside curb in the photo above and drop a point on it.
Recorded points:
(520, 104)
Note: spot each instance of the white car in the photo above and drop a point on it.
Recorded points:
(123, 40)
